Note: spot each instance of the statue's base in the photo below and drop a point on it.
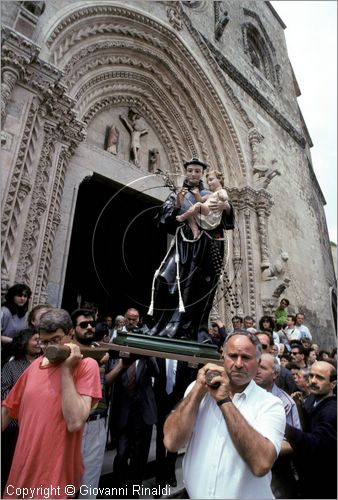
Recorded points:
(162, 347)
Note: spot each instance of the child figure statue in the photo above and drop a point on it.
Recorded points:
(200, 215)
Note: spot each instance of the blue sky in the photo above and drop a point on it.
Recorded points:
(311, 38)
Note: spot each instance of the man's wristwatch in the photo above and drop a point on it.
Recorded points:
(224, 400)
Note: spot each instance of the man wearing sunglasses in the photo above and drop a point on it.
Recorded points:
(51, 403)
(95, 431)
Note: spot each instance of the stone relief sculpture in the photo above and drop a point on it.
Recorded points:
(132, 123)
(174, 18)
(112, 139)
(277, 269)
(221, 19)
(154, 160)
(265, 174)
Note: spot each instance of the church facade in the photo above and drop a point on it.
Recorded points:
(103, 101)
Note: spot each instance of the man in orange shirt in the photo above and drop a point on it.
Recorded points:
(52, 403)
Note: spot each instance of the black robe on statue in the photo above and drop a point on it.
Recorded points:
(200, 264)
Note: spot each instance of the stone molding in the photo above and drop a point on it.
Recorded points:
(19, 187)
(51, 103)
(250, 204)
(271, 110)
(37, 209)
(52, 223)
(217, 60)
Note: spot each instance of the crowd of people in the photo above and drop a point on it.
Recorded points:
(123, 399)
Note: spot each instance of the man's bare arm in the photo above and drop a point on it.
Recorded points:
(75, 407)
(180, 423)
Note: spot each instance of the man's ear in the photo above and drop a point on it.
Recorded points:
(333, 384)
(71, 333)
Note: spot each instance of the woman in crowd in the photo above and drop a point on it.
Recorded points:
(13, 311)
(13, 316)
(25, 348)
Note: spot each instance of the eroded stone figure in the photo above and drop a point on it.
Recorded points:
(136, 130)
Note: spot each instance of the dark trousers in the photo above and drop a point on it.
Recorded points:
(132, 445)
(165, 460)
(8, 441)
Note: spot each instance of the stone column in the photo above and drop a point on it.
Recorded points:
(237, 264)
(263, 238)
(9, 79)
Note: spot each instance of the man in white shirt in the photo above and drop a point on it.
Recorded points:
(233, 432)
(292, 331)
(304, 331)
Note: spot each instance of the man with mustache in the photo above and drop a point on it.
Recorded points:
(234, 431)
(315, 447)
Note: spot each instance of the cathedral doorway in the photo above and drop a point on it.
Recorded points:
(114, 250)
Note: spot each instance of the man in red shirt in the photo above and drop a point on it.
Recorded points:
(51, 403)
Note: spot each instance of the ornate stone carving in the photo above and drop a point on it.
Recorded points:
(52, 222)
(255, 37)
(265, 174)
(13, 68)
(112, 141)
(250, 264)
(281, 288)
(175, 160)
(237, 265)
(243, 82)
(174, 17)
(63, 38)
(261, 215)
(154, 160)
(19, 186)
(221, 19)
(132, 122)
(277, 269)
(255, 138)
(251, 202)
(37, 208)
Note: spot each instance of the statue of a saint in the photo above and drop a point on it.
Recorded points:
(113, 134)
(154, 160)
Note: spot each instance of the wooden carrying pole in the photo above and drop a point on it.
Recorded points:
(58, 353)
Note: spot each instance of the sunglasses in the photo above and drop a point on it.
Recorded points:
(84, 324)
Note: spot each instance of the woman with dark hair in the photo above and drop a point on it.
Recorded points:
(267, 324)
(14, 310)
(25, 348)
